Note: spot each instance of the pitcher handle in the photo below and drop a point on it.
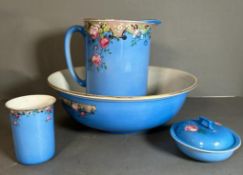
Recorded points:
(67, 44)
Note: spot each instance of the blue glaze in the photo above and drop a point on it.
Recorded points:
(205, 156)
(152, 21)
(116, 62)
(33, 136)
(125, 116)
(209, 135)
(205, 140)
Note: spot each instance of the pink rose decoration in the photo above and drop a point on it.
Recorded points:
(82, 113)
(104, 42)
(191, 128)
(48, 109)
(96, 60)
(94, 32)
(17, 116)
(48, 118)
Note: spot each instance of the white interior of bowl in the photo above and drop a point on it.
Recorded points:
(30, 102)
(161, 81)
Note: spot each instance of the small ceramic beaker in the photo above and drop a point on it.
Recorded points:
(32, 123)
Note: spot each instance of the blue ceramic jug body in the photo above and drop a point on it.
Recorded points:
(116, 56)
(33, 135)
(121, 67)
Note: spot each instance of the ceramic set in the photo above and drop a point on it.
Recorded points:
(116, 56)
(117, 92)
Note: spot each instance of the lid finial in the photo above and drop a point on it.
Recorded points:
(206, 122)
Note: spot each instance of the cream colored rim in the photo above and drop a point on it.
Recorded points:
(30, 102)
(116, 20)
(128, 98)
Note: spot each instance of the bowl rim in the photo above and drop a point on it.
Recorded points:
(127, 98)
(231, 149)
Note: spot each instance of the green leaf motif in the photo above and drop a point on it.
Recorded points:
(134, 43)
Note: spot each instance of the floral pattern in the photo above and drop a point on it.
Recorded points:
(83, 109)
(17, 115)
(102, 34)
(191, 128)
(96, 60)
(104, 42)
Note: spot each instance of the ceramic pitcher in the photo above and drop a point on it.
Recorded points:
(117, 55)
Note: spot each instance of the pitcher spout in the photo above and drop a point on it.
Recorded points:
(152, 21)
